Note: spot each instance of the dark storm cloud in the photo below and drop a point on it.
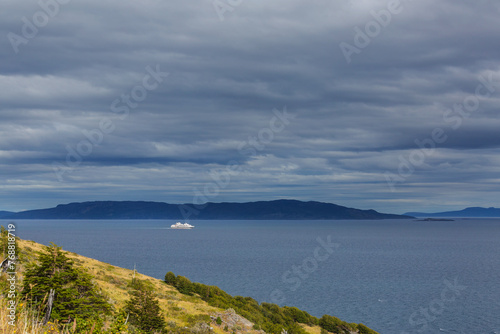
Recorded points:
(353, 121)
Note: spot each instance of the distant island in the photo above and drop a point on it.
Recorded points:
(473, 212)
(435, 220)
(262, 210)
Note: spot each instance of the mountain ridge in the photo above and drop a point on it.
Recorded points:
(6, 213)
(260, 210)
(470, 212)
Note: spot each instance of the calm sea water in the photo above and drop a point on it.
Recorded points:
(396, 276)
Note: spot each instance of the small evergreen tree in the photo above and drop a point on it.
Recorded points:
(144, 310)
(75, 296)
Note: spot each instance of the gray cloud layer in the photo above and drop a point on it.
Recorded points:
(354, 122)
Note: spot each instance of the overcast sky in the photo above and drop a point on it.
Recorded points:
(88, 111)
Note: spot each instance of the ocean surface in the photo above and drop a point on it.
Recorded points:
(395, 276)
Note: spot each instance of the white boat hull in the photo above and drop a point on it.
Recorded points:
(180, 226)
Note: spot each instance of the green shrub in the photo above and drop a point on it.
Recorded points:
(118, 324)
(365, 330)
(184, 285)
(170, 278)
(335, 325)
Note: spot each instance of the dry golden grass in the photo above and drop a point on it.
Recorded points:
(312, 330)
(25, 322)
(114, 282)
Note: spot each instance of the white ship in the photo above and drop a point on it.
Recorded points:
(180, 226)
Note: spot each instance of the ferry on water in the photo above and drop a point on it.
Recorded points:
(180, 226)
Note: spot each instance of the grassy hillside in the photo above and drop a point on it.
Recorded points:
(183, 313)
